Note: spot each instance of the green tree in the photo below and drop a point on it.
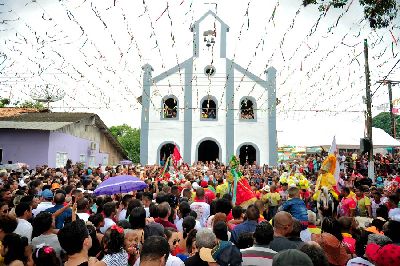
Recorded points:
(379, 12)
(130, 140)
(4, 102)
(31, 104)
(383, 121)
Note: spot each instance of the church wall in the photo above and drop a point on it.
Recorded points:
(163, 130)
(251, 131)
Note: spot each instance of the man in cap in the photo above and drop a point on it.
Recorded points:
(46, 202)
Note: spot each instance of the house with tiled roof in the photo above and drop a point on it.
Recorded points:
(51, 138)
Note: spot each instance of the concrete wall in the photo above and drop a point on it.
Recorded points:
(25, 146)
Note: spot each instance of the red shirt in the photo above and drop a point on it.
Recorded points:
(165, 223)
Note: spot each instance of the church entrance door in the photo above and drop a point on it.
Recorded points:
(208, 151)
(247, 154)
(165, 151)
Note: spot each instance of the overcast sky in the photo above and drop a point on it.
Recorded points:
(93, 52)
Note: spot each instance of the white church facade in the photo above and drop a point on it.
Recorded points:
(220, 110)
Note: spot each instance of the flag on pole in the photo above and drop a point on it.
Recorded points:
(176, 155)
(333, 150)
(166, 167)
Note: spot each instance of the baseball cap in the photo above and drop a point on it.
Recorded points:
(47, 194)
(55, 186)
(204, 184)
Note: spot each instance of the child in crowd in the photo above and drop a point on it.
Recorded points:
(133, 242)
(273, 200)
(45, 256)
(113, 247)
(296, 206)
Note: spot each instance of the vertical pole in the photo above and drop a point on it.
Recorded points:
(369, 114)
(392, 121)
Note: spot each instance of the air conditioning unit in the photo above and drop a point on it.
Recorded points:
(93, 145)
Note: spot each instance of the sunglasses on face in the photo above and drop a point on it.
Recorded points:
(176, 241)
(5, 211)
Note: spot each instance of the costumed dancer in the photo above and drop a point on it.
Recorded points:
(326, 178)
(239, 187)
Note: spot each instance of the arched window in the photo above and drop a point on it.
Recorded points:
(208, 108)
(170, 108)
(247, 109)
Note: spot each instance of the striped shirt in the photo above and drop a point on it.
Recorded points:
(257, 255)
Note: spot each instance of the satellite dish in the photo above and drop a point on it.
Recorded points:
(47, 94)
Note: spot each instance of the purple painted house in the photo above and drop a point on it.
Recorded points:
(46, 138)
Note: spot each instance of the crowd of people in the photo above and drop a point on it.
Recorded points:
(190, 215)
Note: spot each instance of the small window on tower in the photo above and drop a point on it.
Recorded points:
(170, 108)
(209, 70)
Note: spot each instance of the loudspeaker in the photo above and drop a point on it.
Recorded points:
(365, 145)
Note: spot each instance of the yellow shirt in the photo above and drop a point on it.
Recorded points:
(362, 206)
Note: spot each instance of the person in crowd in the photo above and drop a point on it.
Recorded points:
(113, 247)
(46, 202)
(205, 238)
(315, 253)
(125, 201)
(137, 219)
(133, 241)
(45, 256)
(109, 213)
(164, 211)
(147, 200)
(201, 207)
(75, 240)
(183, 212)
(82, 210)
(296, 206)
(260, 253)
(283, 226)
(273, 200)
(24, 228)
(59, 200)
(173, 239)
(238, 217)
(346, 226)
(348, 205)
(363, 202)
(98, 222)
(43, 233)
(245, 240)
(252, 216)
(155, 252)
(391, 230)
(291, 257)
(376, 202)
(294, 236)
(14, 250)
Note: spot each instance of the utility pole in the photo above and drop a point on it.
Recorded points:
(371, 172)
(389, 83)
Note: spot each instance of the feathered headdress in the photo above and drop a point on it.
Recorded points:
(329, 165)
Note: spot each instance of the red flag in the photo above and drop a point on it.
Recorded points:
(177, 155)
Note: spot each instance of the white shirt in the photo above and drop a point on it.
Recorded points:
(107, 224)
(179, 226)
(83, 216)
(24, 228)
(122, 215)
(203, 211)
(147, 209)
(394, 214)
(171, 261)
(44, 205)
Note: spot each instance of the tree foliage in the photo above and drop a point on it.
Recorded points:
(379, 12)
(31, 104)
(4, 102)
(130, 140)
(383, 121)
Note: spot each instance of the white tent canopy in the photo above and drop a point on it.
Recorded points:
(320, 133)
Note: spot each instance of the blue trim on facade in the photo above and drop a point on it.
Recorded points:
(144, 127)
(272, 138)
(230, 116)
(188, 112)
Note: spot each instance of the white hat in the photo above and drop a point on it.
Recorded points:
(195, 185)
(266, 188)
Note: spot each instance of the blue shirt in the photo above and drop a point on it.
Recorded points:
(61, 218)
(245, 227)
(297, 208)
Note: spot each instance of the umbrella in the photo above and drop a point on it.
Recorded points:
(119, 184)
(125, 162)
